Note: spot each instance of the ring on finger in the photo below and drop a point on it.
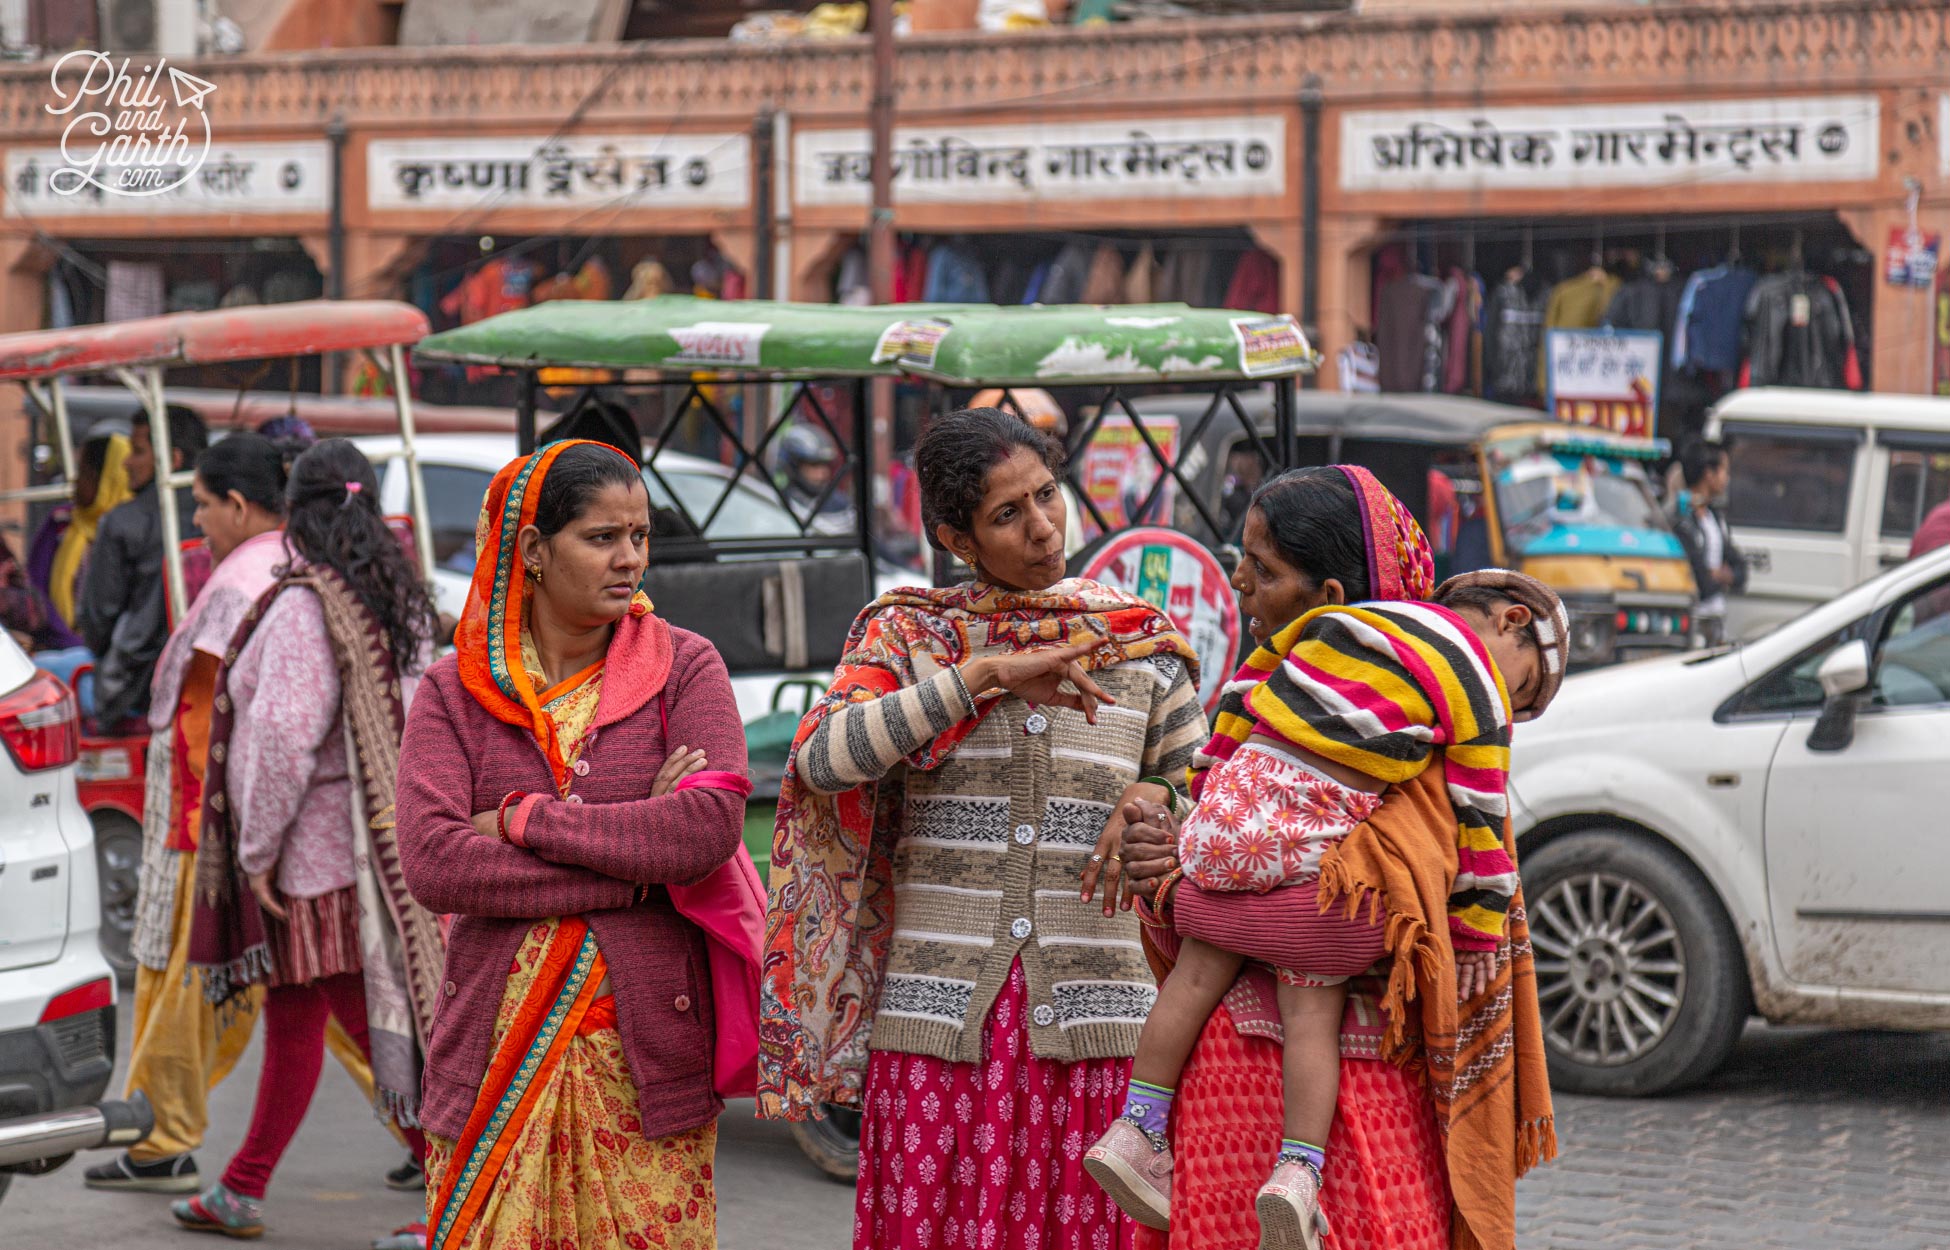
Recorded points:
(1096, 859)
(1116, 859)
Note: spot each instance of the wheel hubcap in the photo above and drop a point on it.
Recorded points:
(1611, 970)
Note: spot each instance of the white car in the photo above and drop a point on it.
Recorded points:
(457, 469)
(57, 993)
(1760, 830)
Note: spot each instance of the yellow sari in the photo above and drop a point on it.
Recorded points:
(552, 1154)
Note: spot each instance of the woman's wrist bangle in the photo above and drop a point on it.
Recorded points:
(961, 683)
(1171, 792)
(1164, 887)
(501, 814)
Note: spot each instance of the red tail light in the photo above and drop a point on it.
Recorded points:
(90, 997)
(41, 724)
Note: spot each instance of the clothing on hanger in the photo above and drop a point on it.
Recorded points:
(955, 276)
(1255, 284)
(1798, 332)
(1513, 332)
(1141, 279)
(135, 289)
(1068, 274)
(1402, 326)
(1103, 282)
(1707, 326)
(1460, 355)
(1576, 303)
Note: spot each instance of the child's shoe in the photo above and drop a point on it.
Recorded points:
(1135, 1171)
(1289, 1211)
(220, 1209)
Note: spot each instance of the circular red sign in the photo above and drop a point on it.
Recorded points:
(1175, 573)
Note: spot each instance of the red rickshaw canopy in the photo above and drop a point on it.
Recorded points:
(251, 332)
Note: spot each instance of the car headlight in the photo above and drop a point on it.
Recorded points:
(1592, 638)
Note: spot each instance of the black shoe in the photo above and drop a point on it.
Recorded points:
(174, 1175)
(407, 1177)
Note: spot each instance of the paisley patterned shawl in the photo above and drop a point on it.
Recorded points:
(488, 639)
(830, 914)
(1401, 566)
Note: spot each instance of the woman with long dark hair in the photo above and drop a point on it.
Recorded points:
(298, 885)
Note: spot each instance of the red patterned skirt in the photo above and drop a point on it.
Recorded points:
(1386, 1182)
(989, 1156)
(319, 939)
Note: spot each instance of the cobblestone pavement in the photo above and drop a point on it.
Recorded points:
(1805, 1139)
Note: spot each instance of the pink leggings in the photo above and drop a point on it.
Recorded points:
(294, 1054)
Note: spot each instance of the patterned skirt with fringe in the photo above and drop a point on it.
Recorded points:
(319, 938)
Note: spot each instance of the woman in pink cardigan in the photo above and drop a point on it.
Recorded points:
(572, 791)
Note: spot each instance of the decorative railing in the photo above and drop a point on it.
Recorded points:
(1635, 49)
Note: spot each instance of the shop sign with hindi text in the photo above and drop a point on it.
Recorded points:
(249, 178)
(1706, 143)
(1150, 159)
(1606, 378)
(583, 171)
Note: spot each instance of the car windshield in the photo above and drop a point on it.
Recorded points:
(1539, 490)
(749, 513)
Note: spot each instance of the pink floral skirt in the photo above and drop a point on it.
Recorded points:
(989, 1156)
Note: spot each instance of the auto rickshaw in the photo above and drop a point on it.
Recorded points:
(734, 374)
(139, 354)
(1500, 486)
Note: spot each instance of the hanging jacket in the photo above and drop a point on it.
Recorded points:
(1712, 308)
(955, 276)
(1797, 332)
(1464, 295)
(1515, 325)
(1068, 274)
(1104, 281)
(1575, 304)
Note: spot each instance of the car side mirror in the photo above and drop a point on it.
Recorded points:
(1844, 675)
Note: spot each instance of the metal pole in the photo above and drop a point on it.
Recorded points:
(54, 398)
(1310, 100)
(880, 225)
(335, 245)
(148, 386)
(525, 413)
(764, 280)
(417, 496)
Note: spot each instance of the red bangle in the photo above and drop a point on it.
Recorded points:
(501, 813)
(1164, 884)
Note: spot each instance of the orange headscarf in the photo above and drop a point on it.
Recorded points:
(488, 640)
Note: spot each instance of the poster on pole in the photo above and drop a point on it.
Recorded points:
(1118, 471)
(1606, 378)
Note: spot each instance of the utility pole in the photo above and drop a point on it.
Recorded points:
(880, 236)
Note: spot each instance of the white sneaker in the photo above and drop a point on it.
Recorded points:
(1289, 1211)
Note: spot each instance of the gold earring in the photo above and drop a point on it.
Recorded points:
(535, 572)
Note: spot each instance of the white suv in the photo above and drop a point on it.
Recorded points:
(1762, 830)
(57, 993)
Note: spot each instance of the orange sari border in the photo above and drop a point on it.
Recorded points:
(550, 1016)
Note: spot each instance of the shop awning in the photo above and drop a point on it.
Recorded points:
(254, 332)
(1102, 345)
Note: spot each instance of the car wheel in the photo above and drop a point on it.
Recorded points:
(1640, 978)
(118, 868)
(832, 1141)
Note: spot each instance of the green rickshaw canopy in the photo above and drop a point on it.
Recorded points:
(683, 333)
(1099, 345)
(959, 344)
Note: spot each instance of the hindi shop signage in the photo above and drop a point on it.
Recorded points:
(1708, 143)
(583, 171)
(254, 178)
(1161, 159)
(1606, 378)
